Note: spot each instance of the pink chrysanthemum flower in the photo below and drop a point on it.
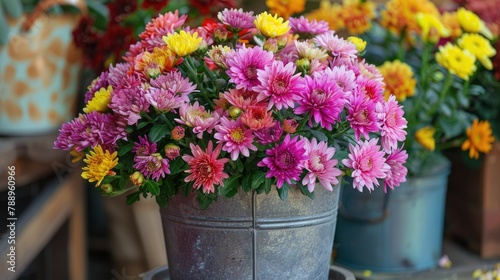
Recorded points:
(163, 25)
(199, 119)
(90, 130)
(144, 147)
(205, 169)
(175, 83)
(321, 165)
(279, 84)
(372, 89)
(397, 171)
(285, 161)
(269, 135)
(118, 73)
(306, 28)
(344, 78)
(393, 123)
(322, 99)
(257, 117)
(163, 100)
(154, 166)
(129, 103)
(244, 63)
(236, 20)
(241, 98)
(370, 71)
(235, 137)
(368, 164)
(362, 116)
(336, 45)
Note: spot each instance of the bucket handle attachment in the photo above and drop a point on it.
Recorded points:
(385, 213)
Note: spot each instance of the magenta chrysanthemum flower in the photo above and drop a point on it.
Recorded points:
(269, 135)
(154, 166)
(344, 78)
(285, 161)
(368, 164)
(362, 116)
(96, 85)
(321, 165)
(372, 89)
(322, 99)
(90, 130)
(393, 123)
(174, 82)
(397, 171)
(235, 137)
(236, 20)
(205, 169)
(129, 103)
(244, 63)
(336, 45)
(163, 25)
(199, 119)
(144, 147)
(118, 73)
(309, 29)
(279, 84)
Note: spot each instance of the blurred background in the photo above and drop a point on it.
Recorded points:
(52, 50)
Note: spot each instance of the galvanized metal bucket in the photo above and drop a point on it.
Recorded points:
(401, 231)
(251, 236)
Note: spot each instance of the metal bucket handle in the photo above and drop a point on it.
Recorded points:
(385, 213)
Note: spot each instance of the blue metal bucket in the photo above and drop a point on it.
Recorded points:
(401, 231)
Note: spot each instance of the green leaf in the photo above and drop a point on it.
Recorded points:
(142, 125)
(230, 188)
(120, 192)
(257, 179)
(205, 200)
(133, 197)
(157, 132)
(152, 187)
(125, 149)
(162, 201)
(305, 191)
(177, 166)
(246, 183)
(320, 136)
(283, 191)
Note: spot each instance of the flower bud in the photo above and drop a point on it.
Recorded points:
(234, 112)
(107, 188)
(282, 41)
(220, 34)
(137, 178)
(271, 45)
(303, 64)
(152, 70)
(359, 43)
(290, 125)
(178, 133)
(172, 151)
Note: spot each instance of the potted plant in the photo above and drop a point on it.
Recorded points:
(241, 129)
(428, 59)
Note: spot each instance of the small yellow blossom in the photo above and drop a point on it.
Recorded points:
(160, 59)
(479, 139)
(100, 100)
(479, 46)
(286, 8)
(470, 22)
(398, 79)
(432, 28)
(271, 26)
(77, 155)
(99, 165)
(459, 62)
(359, 43)
(328, 12)
(183, 43)
(425, 137)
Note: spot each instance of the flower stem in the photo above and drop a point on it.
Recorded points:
(442, 93)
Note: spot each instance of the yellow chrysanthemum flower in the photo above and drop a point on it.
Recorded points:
(329, 13)
(271, 26)
(160, 59)
(183, 43)
(479, 139)
(359, 43)
(398, 79)
(425, 137)
(479, 46)
(357, 15)
(399, 15)
(450, 20)
(99, 165)
(470, 22)
(432, 28)
(459, 62)
(285, 8)
(100, 100)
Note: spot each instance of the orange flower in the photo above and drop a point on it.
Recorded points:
(479, 140)
(357, 15)
(450, 20)
(328, 12)
(399, 15)
(398, 79)
(286, 8)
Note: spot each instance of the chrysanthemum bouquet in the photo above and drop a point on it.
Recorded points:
(428, 60)
(250, 103)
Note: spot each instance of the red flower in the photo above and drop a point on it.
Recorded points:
(157, 5)
(212, 6)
